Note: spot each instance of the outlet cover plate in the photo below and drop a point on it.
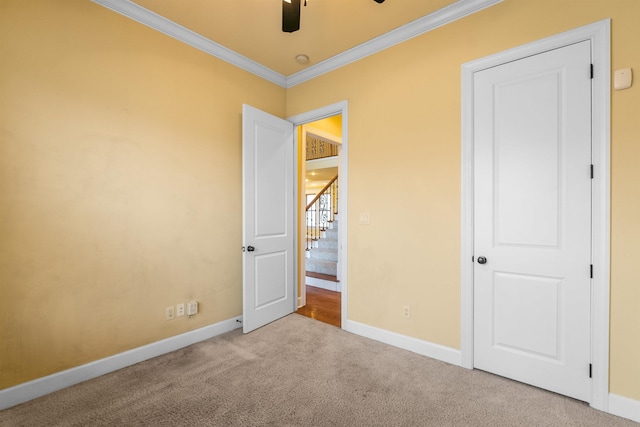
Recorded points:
(192, 308)
(406, 311)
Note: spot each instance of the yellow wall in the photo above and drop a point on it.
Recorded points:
(331, 125)
(120, 178)
(120, 184)
(404, 169)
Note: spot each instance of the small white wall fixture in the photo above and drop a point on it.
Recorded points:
(599, 34)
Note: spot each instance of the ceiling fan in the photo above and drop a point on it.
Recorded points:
(291, 14)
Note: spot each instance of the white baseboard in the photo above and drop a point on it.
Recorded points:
(425, 348)
(624, 407)
(323, 284)
(33, 389)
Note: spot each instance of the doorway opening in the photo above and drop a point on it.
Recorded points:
(320, 147)
(322, 211)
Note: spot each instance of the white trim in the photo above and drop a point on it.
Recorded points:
(624, 407)
(425, 348)
(599, 34)
(299, 294)
(178, 32)
(441, 17)
(328, 285)
(341, 108)
(323, 163)
(33, 389)
(466, 221)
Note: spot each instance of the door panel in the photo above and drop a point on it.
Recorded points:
(526, 308)
(526, 156)
(268, 218)
(532, 220)
(270, 282)
(271, 168)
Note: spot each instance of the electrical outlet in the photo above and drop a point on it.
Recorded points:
(406, 311)
(169, 313)
(180, 309)
(192, 308)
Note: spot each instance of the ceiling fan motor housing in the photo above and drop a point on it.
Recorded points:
(291, 16)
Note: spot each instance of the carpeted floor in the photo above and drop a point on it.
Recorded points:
(300, 372)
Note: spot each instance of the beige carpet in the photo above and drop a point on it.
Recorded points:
(300, 372)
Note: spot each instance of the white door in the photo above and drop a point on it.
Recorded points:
(532, 220)
(268, 218)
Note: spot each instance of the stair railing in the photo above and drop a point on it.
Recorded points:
(320, 213)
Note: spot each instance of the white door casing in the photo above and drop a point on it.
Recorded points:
(599, 36)
(269, 210)
(532, 221)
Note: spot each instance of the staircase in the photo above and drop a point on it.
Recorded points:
(322, 239)
(322, 260)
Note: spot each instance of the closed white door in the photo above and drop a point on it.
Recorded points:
(532, 220)
(268, 218)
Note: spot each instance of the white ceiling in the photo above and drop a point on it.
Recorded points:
(317, 179)
(248, 33)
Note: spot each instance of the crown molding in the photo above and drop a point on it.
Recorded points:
(170, 28)
(441, 17)
(446, 15)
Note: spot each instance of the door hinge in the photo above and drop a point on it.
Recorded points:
(590, 370)
(591, 271)
(591, 70)
(591, 171)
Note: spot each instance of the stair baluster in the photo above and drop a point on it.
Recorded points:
(320, 213)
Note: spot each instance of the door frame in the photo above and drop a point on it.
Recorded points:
(341, 108)
(599, 34)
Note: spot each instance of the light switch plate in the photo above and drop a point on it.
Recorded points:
(622, 79)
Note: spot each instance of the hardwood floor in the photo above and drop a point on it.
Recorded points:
(322, 305)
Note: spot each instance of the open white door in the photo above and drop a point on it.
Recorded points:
(268, 218)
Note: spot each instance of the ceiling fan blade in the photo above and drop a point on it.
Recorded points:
(290, 16)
